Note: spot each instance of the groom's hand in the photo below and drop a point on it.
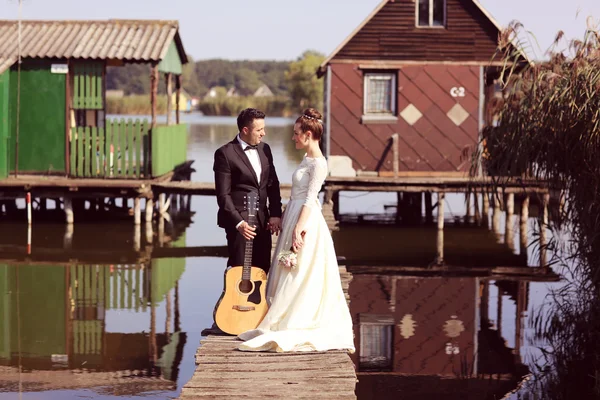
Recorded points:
(274, 225)
(247, 231)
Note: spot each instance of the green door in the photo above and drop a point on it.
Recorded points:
(42, 125)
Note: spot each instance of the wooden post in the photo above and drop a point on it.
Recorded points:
(68, 206)
(476, 205)
(499, 310)
(149, 210)
(162, 203)
(523, 228)
(485, 208)
(168, 313)
(28, 202)
(399, 207)
(469, 210)
(496, 216)
(137, 237)
(149, 233)
(169, 86)
(485, 301)
(178, 97)
(440, 230)
(137, 211)
(68, 238)
(509, 233)
(395, 159)
(153, 92)
(428, 208)
(335, 198)
(161, 231)
(543, 235)
(177, 319)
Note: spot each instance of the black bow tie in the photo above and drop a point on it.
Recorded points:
(251, 147)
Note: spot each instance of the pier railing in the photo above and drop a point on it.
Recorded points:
(126, 149)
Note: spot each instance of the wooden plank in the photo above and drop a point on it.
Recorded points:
(87, 90)
(73, 152)
(138, 147)
(123, 147)
(101, 151)
(80, 146)
(222, 370)
(93, 154)
(108, 144)
(76, 86)
(131, 132)
(99, 83)
(87, 152)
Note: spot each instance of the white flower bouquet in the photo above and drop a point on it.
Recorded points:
(287, 259)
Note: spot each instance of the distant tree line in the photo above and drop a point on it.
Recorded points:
(294, 83)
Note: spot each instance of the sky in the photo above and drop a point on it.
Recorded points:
(284, 29)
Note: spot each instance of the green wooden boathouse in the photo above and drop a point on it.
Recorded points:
(53, 99)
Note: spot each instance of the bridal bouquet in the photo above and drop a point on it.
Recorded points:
(287, 259)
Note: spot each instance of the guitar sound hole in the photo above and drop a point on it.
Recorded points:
(245, 286)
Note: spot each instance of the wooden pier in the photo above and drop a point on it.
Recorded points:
(226, 373)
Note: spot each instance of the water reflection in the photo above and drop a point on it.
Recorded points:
(433, 336)
(110, 309)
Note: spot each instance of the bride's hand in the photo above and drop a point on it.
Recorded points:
(297, 240)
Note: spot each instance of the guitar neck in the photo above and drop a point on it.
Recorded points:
(248, 252)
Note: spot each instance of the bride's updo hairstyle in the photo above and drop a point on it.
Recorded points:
(311, 120)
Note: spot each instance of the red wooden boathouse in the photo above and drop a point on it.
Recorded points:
(421, 69)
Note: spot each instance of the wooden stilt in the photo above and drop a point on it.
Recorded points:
(161, 231)
(149, 233)
(399, 207)
(68, 238)
(428, 208)
(543, 229)
(476, 206)
(523, 228)
(499, 310)
(485, 208)
(168, 312)
(509, 233)
(137, 211)
(137, 237)
(496, 217)
(149, 210)
(68, 206)
(335, 198)
(469, 209)
(440, 230)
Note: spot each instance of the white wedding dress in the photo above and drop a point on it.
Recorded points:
(308, 310)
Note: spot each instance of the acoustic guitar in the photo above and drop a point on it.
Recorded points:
(243, 304)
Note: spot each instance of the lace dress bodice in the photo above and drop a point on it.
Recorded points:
(307, 181)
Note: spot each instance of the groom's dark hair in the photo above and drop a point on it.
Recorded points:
(247, 117)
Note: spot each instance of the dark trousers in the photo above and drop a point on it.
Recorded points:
(261, 248)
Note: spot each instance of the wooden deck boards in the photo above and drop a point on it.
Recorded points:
(224, 372)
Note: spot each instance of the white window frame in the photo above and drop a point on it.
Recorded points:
(431, 2)
(384, 322)
(387, 75)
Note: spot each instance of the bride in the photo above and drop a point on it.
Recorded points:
(308, 310)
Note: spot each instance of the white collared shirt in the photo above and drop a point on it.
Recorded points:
(252, 155)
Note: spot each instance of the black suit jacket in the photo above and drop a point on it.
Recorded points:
(235, 177)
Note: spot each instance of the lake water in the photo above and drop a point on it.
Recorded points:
(100, 320)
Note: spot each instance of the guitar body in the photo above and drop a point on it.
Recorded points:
(243, 304)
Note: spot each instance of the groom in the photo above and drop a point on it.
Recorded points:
(241, 166)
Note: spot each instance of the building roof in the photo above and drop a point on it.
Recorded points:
(323, 65)
(126, 40)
